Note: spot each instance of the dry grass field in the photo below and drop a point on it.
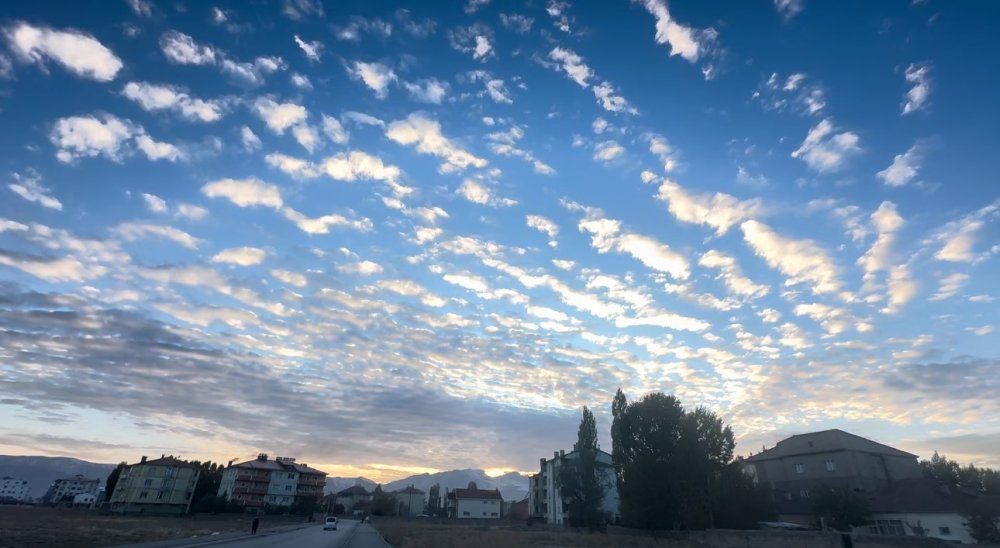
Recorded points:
(402, 533)
(27, 527)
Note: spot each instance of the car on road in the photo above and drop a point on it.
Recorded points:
(330, 524)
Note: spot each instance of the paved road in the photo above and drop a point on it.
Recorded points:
(349, 534)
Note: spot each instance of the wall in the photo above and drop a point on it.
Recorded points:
(477, 508)
(931, 524)
(281, 490)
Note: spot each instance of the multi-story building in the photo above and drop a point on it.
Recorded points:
(409, 501)
(160, 486)
(545, 499)
(797, 467)
(354, 497)
(65, 489)
(475, 504)
(278, 482)
(14, 490)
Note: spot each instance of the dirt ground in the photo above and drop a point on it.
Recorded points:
(37, 527)
(402, 533)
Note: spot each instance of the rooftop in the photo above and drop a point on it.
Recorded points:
(475, 494)
(826, 441)
(929, 496)
(353, 491)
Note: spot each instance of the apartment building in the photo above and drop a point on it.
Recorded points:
(278, 482)
(545, 499)
(798, 466)
(66, 489)
(162, 486)
(14, 490)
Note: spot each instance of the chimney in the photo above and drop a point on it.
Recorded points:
(143, 459)
(262, 456)
(555, 454)
(562, 453)
(542, 463)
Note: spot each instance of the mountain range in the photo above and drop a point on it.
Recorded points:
(42, 471)
(512, 485)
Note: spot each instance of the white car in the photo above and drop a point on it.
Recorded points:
(330, 524)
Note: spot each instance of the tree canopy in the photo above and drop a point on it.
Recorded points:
(580, 479)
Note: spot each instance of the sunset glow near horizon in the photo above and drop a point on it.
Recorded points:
(389, 239)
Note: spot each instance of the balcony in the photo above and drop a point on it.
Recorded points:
(314, 481)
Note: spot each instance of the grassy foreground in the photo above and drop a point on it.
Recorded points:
(36, 527)
(403, 533)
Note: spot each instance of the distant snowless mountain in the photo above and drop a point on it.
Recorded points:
(512, 485)
(42, 471)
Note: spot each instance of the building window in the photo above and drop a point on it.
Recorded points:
(887, 527)
(288, 488)
(159, 496)
(944, 530)
(831, 466)
(800, 468)
(143, 494)
(465, 513)
(291, 476)
(493, 514)
(803, 493)
(148, 483)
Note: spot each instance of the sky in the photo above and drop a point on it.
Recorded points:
(389, 239)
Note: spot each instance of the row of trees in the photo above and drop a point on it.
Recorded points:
(673, 468)
(939, 467)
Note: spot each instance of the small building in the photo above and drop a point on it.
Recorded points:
(924, 507)
(354, 497)
(13, 490)
(409, 501)
(162, 486)
(799, 466)
(475, 504)
(279, 482)
(518, 511)
(545, 499)
(63, 490)
(87, 500)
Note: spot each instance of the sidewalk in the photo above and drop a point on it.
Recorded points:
(206, 540)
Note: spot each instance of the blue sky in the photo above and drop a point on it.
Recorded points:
(377, 235)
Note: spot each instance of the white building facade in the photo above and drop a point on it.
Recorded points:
(13, 489)
(545, 499)
(66, 489)
(475, 504)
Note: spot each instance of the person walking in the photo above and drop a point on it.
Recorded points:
(254, 525)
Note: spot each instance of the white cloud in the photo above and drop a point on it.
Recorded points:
(154, 203)
(607, 235)
(191, 212)
(887, 223)
(80, 53)
(981, 331)
(136, 231)
(901, 289)
(573, 65)
(498, 92)
(476, 39)
(788, 8)
(793, 93)
(312, 50)
(374, 75)
(142, 8)
(307, 136)
(732, 275)
(659, 146)
(352, 31)
(321, 225)
(334, 130)
(605, 94)
(158, 150)
(599, 125)
(30, 188)
(607, 151)
(252, 74)
(364, 268)
(363, 119)
(249, 139)
(279, 116)
(919, 76)
(680, 39)
(557, 9)
(472, 6)
(904, 167)
(295, 167)
(802, 261)
(516, 22)
(769, 315)
(950, 285)
(720, 211)
(301, 81)
(960, 236)
(87, 136)
(356, 164)
(545, 226)
(824, 151)
(182, 49)
(152, 97)
(297, 10)
(430, 90)
(290, 278)
(504, 143)
(563, 264)
(667, 320)
(425, 133)
(481, 194)
(248, 192)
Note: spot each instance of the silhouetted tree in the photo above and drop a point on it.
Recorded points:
(580, 479)
(984, 525)
(112, 481)
(941, 468)
(841, 509)
(472, 485)
(383, 504)
(434, 499)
